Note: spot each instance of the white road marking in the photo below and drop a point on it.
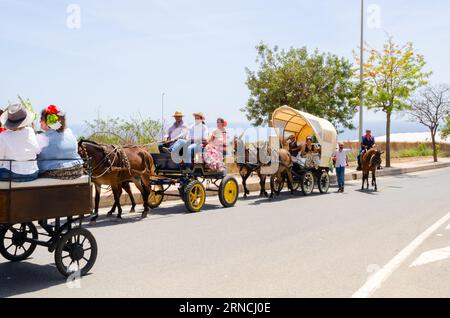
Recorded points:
(377, 279)
(432, 256)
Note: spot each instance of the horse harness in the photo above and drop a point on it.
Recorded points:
(119, 161)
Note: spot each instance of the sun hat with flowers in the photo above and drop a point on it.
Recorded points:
(54, 115)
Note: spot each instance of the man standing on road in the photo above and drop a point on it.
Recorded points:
(178, 131)
(367, 143)
(341, 160)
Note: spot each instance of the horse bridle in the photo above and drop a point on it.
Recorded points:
(105, 159)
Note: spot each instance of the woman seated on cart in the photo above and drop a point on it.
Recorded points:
(59, 149)
(309, 153)
(215, 151)
(18, 145)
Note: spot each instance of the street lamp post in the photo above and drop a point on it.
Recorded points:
(162, 116)
(361, 76)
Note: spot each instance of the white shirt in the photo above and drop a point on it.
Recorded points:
(176, 132)
(199, 132)
(341, 157)
(20, 146)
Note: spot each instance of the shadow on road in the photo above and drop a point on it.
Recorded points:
(130, 218)
(369, 192)
(24, 277)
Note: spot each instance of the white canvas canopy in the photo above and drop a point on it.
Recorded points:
(288, 121)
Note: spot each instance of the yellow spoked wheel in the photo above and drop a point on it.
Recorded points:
(228, 192)
(194, 196)
(155, 197)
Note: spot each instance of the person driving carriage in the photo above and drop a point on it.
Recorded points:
(178, 131)
(294, 147)
(198, 136)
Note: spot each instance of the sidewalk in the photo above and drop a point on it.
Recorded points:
(107, 200)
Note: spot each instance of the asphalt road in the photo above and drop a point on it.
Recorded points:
(358, 244)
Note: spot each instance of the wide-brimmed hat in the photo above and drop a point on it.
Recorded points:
(178, 114)
(16, 116)
(199, 115)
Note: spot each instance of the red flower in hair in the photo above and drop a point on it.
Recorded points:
(52, 109)
(225, 123)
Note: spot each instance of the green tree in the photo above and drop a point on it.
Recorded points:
(445, 132)
(390, 78)
(136, 130)
(429, 108)
(320, 84)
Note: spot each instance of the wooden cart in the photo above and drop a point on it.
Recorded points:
(23, 204)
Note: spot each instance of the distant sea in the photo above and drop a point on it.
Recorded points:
(378, 128)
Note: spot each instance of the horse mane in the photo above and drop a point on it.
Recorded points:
(82, 141)
(371, 153)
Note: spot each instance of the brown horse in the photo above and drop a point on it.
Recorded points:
(247, 167)
(370, 161)
(115, 167)
(285, 163)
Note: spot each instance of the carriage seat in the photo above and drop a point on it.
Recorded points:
(43, 182)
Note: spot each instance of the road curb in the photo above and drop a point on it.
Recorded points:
(107, 200)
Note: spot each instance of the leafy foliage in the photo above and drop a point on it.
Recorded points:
(320, 84)
(136, 130)
(392, 75)
(390, 78)
(430, 109)
(445, 132)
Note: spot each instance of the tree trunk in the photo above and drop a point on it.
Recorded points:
(388, 139)
(433, 141)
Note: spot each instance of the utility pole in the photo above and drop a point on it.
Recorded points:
(162, 116)
(361, 70)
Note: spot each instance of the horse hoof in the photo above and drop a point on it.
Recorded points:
(132, 210)
(144, 215)
(109, 214)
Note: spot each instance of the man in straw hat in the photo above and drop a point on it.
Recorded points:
(18, 145)
(178, 131)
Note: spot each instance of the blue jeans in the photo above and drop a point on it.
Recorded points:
(7, 175)
(189, 151)
(340, 173)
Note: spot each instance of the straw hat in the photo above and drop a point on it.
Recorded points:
(178, 114)
(200, 115)
(16, 116)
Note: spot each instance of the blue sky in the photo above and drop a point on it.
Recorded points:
(127, 53)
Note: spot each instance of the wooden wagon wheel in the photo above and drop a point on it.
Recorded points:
(228, 192)
(324, 182)
(15, 242)
(194, 196)
(278, 184)
(307, 183)
(76, 252)
(156, 196)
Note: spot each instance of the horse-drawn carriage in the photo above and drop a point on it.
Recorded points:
(193, 184)
(23, 204)
(314, 169)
